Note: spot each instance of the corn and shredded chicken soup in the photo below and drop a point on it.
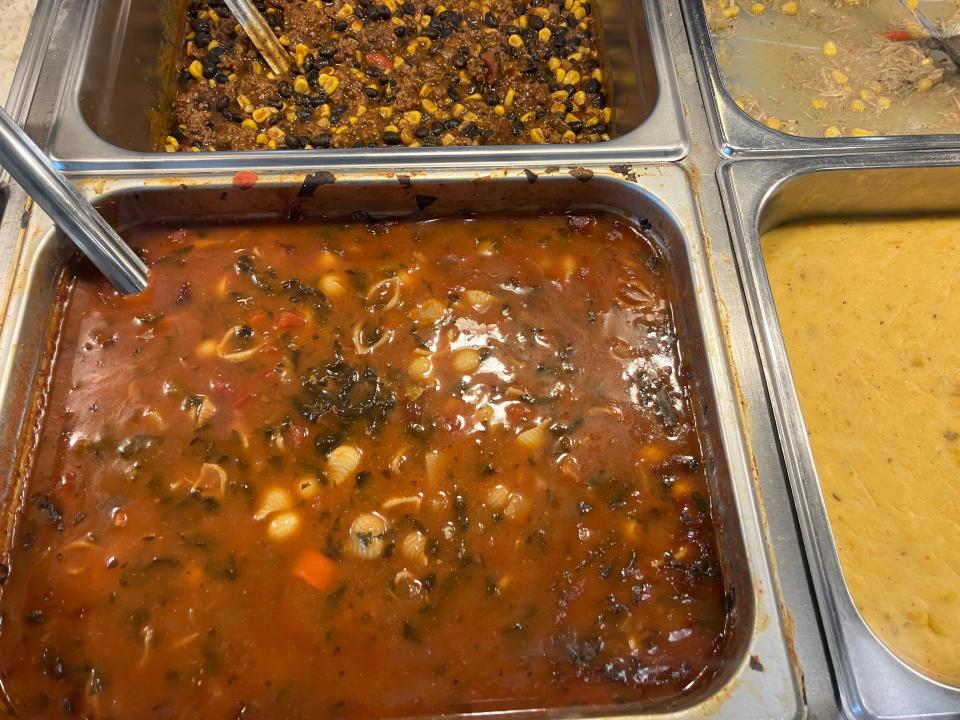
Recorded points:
(366, 470)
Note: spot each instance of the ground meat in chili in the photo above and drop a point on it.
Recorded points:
(371, 73)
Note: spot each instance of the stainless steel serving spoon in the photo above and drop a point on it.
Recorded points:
(71, 212)
(260, 34)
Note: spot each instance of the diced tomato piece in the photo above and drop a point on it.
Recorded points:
(290, 320)
(244, 180)
(384, 62)
(297, 436)
(897, 35)
(518, 413)
(315, 569)
(219, 386)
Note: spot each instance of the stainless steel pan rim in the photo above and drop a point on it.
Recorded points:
(873, 682)
(736, 134)
(760, 680)
(77, 148)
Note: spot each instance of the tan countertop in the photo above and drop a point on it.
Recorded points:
(13, 30)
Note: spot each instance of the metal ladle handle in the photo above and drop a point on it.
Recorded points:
(260, 34)
(71, 212)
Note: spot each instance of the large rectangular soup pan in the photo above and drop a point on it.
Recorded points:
(737, 134)
(121, 68)
(761, 195)
(757, 680)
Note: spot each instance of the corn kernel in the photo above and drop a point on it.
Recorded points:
(571, 77)
(731, 12)
(818, 103)
(789, 8)
(840, 78)
(830, 48)
(499, 110)
(536, 134)
(429, 105)
(262, 139)
(868, 95)
(284, 40)
(329, 83)
(924, 85)
(448, 139)
(344, 12)
(412, 117)
(773, 122)
(884, 102)
(861, 132)
(508, 98)
(858, 106)
(515, 41)
(569, 136)
(544, 34)
(832, 132)
(261, 114)
(553, 63)
(425, 90)
(196, 69)
(249, 124)
(300, 84)
(559, 74)
(171, 140)
(579, 98)
(758, 8)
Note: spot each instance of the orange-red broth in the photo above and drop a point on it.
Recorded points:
(508, 509)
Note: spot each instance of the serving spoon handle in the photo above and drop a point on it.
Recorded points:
(68, 209)
(260, 34)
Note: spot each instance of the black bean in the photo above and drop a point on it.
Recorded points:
(221, 78)
(408, 8)
(321, 141)
(400, 31)
(459, 61)
(536, 22)
(490, 20)
(292, 142)
(391, 138)
(429, 10)
(222, 103)
(576, 126)
(591, 86)
(491, 99)
(284, 89)
(340, 25)
(371, 93)
(202, 39)
(304, 116)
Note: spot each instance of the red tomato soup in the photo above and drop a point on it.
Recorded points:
(366, 470)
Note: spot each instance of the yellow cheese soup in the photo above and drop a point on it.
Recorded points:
(869, 311)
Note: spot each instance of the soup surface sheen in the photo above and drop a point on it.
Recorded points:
(867, 311)
(381, 470)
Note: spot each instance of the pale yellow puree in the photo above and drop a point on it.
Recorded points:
(870, 310)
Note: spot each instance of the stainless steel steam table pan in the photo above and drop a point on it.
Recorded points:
(736, 134)
(758, 680)
(760, 195)
(117, 70)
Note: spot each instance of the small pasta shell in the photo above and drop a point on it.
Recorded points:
(479, 300)
(533, 438)
(498, 497)
(205, 412)
(225, 349)
(328, 261)
(273, 500)
(465, 361)
(308, 487)
(207, 349)
(212, 478)
(429, 311)
(366, 536)
(411, 503)
(514, 506)
(342, 462)
(333, 285)
(283, 525)
(419, 368)
(414, 547)
(384, 294)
